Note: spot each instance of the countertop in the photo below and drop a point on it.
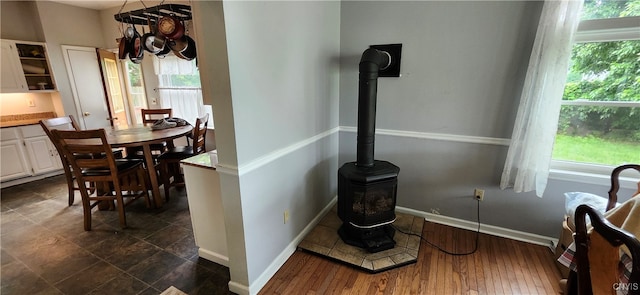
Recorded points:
(207, 160)
(24, 119)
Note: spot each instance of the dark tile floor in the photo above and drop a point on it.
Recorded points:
(45, 249)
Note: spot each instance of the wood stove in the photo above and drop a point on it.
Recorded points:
(367, 188)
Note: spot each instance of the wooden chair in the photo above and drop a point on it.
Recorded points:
(150, 116)
(597, 256)
(170, 160)
(615, 183)
(63, 123)
(90, 155)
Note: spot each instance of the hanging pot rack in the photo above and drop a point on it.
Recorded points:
(141, 16)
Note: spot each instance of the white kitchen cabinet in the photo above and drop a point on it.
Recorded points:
(27, 151)
(12, 155)
(12, 78)
(42, 154)
(25, 67)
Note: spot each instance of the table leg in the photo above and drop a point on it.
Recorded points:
(153, 176)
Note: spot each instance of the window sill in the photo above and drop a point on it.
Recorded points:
(591, 173)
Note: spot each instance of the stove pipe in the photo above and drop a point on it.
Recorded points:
(371, 62)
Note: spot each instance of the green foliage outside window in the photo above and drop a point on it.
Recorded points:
(604, 71)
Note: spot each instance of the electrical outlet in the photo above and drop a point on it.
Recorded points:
(286, 216)
(478, 194)
(31, 102)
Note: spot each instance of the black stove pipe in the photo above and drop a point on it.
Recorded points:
(371, 62)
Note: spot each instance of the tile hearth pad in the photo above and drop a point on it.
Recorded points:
(323, 240)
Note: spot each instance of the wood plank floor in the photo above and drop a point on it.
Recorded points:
(499, 266)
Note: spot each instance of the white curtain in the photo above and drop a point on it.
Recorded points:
(186, 102)
(529, 156)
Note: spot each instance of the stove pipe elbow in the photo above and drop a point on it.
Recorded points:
(371, 63)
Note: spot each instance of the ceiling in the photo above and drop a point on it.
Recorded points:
(92, 4)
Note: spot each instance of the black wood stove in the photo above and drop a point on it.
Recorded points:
(367, 188)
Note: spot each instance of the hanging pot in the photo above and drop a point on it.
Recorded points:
(171, 27)
(136, 50)
(184, 48)
(148, 40)
(165, 50)
(123, 48)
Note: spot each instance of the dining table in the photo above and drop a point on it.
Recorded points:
(144, 136)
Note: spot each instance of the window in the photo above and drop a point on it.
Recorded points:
(135, 87)
(599, 123)
(180, 89)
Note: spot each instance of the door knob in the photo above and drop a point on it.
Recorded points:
(86, 114)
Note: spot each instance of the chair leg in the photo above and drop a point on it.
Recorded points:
(70, 185)
(142, 180)
(164, 175)
(120, 206)
(71, 188)
(86, 207)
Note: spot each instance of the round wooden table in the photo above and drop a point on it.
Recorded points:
(143, 136)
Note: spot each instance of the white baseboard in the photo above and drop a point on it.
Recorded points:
(24, 180)
(484, 228)
(213, 257)
(238, 288)
(262, 280)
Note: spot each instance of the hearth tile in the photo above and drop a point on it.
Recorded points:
(346, 257)
(348, 249)
(418, 223)
(313, 247)
(403, 222)
(368, 264)
(401, 239)
(385, 253)
(413, 243)
(413, 252)
(323, 236)
(331, 220)
(383, 263)
(402, 257)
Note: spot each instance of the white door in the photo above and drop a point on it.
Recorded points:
(87, 87)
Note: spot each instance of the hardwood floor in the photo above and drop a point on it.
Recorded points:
(499, 266)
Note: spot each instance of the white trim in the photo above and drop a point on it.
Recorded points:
(608, 29)
(238, 288)
(213, 257)
(615, 104)
(436, 136)
(484, 228)
(227, 169)
(277, 263)
(272, 156)
(27, 179)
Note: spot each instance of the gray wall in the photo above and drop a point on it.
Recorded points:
(446, 119)
(19, 21)
(284, 77)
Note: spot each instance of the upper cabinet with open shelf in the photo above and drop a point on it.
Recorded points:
(25, 67)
